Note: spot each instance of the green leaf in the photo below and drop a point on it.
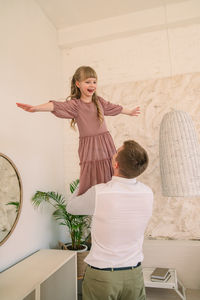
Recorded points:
(73, 185)
(77, 224)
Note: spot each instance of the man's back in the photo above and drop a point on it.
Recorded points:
(122, 210)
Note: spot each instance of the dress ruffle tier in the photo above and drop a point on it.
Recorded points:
(95, 154)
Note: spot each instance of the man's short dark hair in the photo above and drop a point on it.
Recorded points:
(132, 159)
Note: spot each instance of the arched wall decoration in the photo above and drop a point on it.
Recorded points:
(10, 197)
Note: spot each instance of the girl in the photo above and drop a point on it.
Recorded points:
(85, 108)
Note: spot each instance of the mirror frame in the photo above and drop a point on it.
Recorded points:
(21, 197)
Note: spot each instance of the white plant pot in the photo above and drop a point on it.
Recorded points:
(81, 250)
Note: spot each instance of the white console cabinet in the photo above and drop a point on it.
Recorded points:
(45, 275)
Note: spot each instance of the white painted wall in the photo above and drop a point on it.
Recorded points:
(171, 15)
(30, 72)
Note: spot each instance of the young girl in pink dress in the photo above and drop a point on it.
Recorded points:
(87, 110)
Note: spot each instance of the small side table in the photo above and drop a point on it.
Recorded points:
(172, 283)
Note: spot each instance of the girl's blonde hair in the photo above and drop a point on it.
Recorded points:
(81, 74)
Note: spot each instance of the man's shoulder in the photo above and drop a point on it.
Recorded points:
(138, 187)
(103, 187)
(144, 187)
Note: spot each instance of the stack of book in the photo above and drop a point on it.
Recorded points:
(160, 275)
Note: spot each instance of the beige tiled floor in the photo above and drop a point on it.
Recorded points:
(160, 294)
(163, 294)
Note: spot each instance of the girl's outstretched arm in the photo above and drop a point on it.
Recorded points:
(133, 112)
(42, 107)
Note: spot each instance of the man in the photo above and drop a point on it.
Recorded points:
(121, 209)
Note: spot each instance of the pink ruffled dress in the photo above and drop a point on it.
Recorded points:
(96, 146)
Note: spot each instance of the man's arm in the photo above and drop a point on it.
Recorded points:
(83, 204)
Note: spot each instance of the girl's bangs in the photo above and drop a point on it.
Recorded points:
(88, 73)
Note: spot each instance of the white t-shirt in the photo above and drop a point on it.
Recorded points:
(121, 209)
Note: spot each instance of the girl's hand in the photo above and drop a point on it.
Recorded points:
(135, 112)
(42, 107)
(26, 107)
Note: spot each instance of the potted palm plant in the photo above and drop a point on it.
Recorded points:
(78, 225)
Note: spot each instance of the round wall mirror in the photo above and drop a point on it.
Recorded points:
(10, 197)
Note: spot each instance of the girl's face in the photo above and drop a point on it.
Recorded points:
(87, 87)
